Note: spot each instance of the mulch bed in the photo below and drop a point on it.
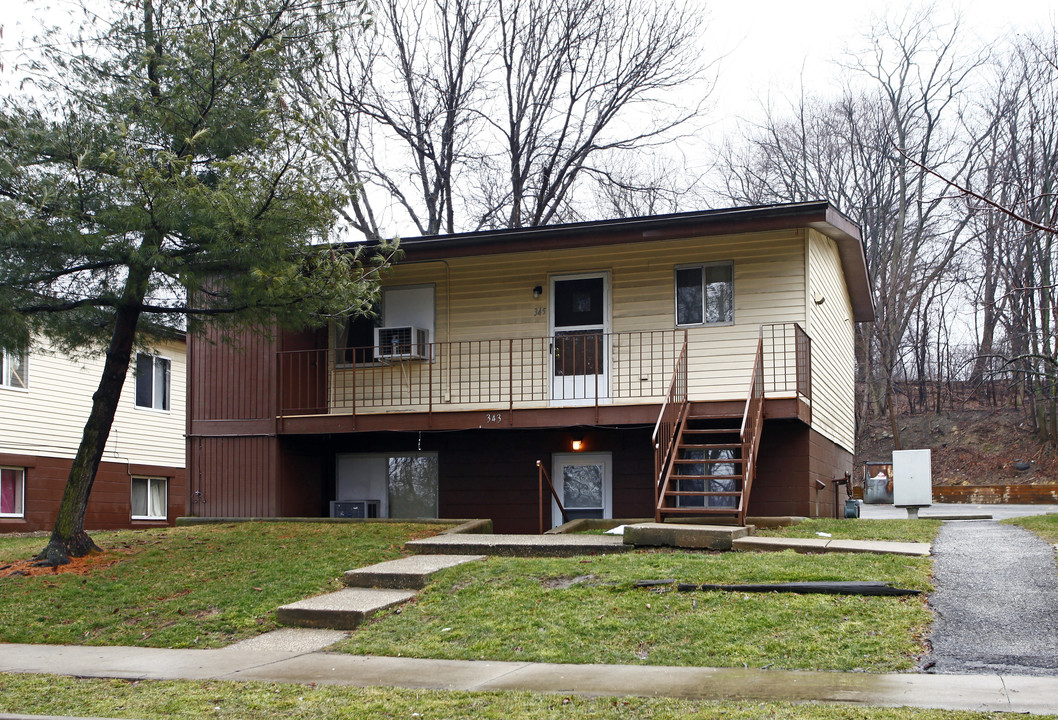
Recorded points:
(77, 566)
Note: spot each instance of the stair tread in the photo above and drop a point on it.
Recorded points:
(708, 477)
(704, 493)
(701, 510)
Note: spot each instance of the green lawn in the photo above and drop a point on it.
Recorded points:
(860, 529)
(40, 694)
(586, 610)
(1046, 526)
(199, 586)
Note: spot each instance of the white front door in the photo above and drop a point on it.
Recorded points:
(580, 322)
(584, 483)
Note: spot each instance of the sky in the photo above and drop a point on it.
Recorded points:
(768, 46)
(765, 45)
(768, 49)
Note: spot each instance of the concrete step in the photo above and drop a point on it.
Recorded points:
(518, 545)
(342, 610)
(699, 537)
(409, 573)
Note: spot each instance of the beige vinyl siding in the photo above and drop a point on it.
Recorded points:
(833, 344)
(491, 298)
(48, 418)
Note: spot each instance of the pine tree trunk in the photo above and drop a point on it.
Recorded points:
(69, 538)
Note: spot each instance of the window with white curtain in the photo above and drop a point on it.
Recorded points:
(149, 498)
(12, 490)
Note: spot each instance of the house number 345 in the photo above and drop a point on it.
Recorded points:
(493, 417)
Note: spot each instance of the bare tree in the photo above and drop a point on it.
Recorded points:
(867, 151)
(468, 114)
(402, 109)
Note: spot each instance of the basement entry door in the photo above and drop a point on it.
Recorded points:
(580, 316)
(584, 482)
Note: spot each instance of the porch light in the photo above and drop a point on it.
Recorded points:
(538, 291)
(578, 442)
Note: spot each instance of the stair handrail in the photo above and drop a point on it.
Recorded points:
(544, 476)
(752, 424)
(673, 410)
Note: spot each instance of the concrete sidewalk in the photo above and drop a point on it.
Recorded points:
(1008, 693)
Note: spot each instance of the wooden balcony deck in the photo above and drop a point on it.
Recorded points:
(590, 379)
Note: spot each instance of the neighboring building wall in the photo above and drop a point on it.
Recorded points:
(41, 427)
(833, 336)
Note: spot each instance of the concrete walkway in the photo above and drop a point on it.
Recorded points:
(996, 601)
(1010, 693)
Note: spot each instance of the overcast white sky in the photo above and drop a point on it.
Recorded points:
(768, 47)
(765, 43)
(770, 42)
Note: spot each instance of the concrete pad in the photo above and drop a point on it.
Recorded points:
(775, 544)
(699, 537)
(409, 573)
(978, 692)
(823, 545)
(772, 521)
(376, 671)
(880, 548)
(290, 640)
(342, 610)
(519, 545)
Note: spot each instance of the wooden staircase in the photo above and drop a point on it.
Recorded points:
(707, 478)
(705, 464)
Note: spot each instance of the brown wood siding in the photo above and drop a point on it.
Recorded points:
(792, 458)
(109, 505)
(305, 478)
(233, 476)
(231, 377)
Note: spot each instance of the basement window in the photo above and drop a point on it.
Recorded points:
(150, 498)
(12, 491)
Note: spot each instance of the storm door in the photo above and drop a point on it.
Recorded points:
(580, 316)
(584, 483)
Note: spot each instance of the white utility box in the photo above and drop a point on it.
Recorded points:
(912, 479)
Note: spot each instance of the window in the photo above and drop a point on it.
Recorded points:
(12, 489)
(149, 498)
(152, 382)
(14, 370)
(705, 294)
(401, 307)
(404, 485)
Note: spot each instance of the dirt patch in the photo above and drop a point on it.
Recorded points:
(565, 581)
(77, 566)
(970, 447)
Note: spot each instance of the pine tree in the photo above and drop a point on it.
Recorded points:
(152, 176)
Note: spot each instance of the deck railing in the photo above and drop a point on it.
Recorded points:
(671, 416)
(577, 368)
(786, 359)
(752, 426)
(496, 374)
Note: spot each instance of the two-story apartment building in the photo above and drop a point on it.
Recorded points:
(45, 399)
(697, 364)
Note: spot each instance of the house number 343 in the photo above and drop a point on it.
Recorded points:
(493, 417)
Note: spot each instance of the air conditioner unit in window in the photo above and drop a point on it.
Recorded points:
(355, 508)
(402, 343)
